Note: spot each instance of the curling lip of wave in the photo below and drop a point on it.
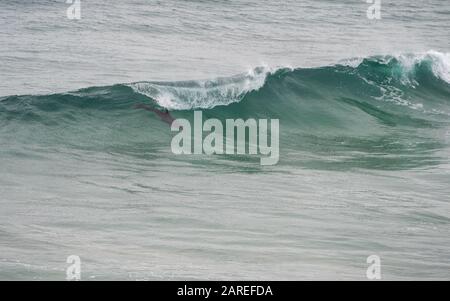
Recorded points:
(440, 62)
(206, 94)
(185, 95)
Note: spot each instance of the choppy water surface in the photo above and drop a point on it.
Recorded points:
(364, 110)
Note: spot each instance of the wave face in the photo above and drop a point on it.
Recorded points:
(383, 112)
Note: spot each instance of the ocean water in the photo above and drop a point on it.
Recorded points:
(364, 169)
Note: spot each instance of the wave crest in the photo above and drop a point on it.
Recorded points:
(204, 94)
(405, 66)
(382, 71)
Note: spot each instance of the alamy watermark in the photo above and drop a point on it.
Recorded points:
(374, 10)
(74, 10)
(221, 140)
(373, 272)
(73, 271)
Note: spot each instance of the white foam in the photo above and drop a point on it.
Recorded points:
(440, 63)
(351, 62)
(203, 94)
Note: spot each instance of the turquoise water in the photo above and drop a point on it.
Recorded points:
(364, 141)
